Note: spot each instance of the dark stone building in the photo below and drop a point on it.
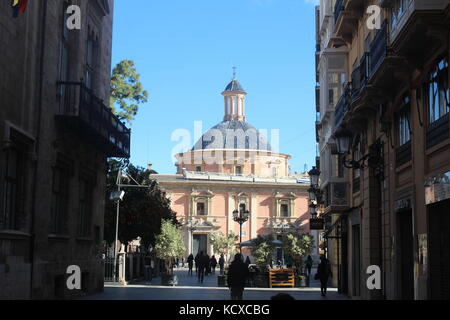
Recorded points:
(56, 133)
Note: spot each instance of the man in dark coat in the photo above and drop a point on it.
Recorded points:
(197, 262)
(190, 261)
(237, 277)
(203, 264)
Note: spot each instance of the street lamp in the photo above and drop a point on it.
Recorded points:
(117, 196)
(313, 210)
(374, 157)
(312, 194)
(241, 217)
(314, 175)
(343, 137)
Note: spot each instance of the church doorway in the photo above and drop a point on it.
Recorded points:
(200, 243)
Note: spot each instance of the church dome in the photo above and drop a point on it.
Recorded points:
(234, 85)
(233, 134)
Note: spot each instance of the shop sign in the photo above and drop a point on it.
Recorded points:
(317, 224)
(403, 204)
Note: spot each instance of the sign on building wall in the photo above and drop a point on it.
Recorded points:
(316, 224)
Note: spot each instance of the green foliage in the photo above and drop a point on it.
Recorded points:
(126, 91)
(222, 244)
(262, 249)
(141, 210)
(297, 246)
(169, 243)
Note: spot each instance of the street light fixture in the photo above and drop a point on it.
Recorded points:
(117, 196)
(314, 175)
(313, 210)
(312, 194)
(374, 157)
(343, 137)
(241, 217)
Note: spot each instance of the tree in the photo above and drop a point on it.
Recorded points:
(297, 246)
(262, 249)
(169, 244)
(126, 91)
(222, 244)
(141, 210)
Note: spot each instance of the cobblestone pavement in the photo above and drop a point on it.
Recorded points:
(189, 288)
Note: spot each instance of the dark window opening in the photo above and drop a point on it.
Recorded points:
(200, 209)
(437, 98)
(284, 210)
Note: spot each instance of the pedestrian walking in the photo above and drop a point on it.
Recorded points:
(308, 265)
(190, 261)
(213, 264)
(208, 266)
(221, 264)
(202, 265)
(237, 277)
(197, 262)
(148, 268)
(323, 274)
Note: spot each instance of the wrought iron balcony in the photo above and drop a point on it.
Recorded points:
(438, 131)
(338, 9)
(360, 75)
(317, 98)
(403, 154)
(342, 106)
(378, 49)
(83, 112)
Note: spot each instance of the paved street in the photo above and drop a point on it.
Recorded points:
(189, 289)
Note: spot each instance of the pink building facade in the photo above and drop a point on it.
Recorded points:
(233, 167)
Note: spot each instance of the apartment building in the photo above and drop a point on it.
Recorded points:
(391, 133)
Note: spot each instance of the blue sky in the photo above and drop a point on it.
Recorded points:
(185, 51)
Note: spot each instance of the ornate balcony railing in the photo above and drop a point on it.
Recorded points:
(81, 110)
(338, 8)
(378, 49)
(342, 106)
(359, 75)
(438, 131)
(403, 154)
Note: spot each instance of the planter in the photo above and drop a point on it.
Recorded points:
(302, 281)
(169, 280)
(262, 280)
(222, 281)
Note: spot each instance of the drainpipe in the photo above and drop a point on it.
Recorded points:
(36, 148)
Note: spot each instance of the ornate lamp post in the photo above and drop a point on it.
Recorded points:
(241, 217)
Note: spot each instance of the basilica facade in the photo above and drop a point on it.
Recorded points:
(233, 167)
